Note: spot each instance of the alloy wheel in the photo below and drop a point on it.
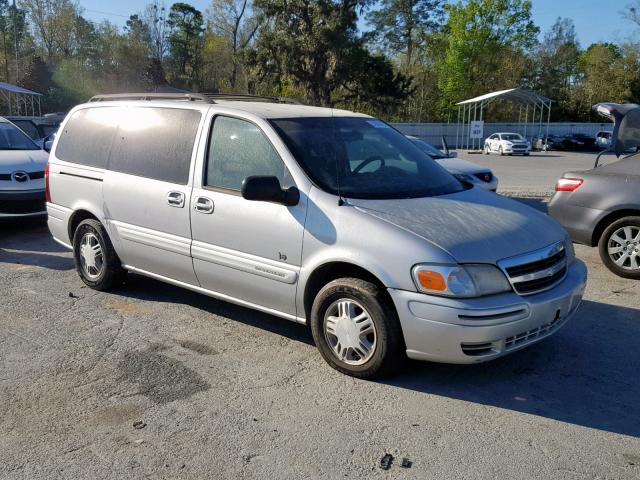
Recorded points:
(623, 247)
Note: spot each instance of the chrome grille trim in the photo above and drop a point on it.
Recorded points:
(536, 271)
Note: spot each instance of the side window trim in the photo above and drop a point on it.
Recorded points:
(207, 156)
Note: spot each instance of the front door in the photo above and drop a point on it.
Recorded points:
(247, 250)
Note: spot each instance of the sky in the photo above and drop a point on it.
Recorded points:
(595, 20)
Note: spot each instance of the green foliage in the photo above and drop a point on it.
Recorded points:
(185, 39)
(316, 45)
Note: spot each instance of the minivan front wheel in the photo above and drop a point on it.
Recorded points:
(96, 261)
(619, 247)
(356, 328)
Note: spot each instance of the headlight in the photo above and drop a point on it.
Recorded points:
(465, 281)
(508, 144)
(464, 177)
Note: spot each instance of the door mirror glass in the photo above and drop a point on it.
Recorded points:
(267, 189)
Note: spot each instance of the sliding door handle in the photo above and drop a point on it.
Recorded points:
(175, 199)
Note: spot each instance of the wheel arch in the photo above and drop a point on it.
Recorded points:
(608, 219)
(78, 216)
(332, 270)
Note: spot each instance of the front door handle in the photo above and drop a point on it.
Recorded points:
(203, 205)
(175, 199)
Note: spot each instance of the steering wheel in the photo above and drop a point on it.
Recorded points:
(369, 160)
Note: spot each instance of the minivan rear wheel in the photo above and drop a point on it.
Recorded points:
(96, 261)
(619, 247)
(356, 328)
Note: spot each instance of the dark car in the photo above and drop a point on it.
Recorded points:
(579, 142)
(553, 142)
(601, 207)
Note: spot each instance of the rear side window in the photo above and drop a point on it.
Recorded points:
(155, 143)
(147, 142)
(238, 149)
(86, 138)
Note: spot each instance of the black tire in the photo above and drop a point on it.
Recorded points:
(526, 154)
(486, 150)
(389, 342)
(603, 247)
(111, 273)
(501, 151)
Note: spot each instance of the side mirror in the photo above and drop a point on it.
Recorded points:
(267, 189)
(48, 145)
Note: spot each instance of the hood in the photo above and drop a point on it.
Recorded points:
(26, 160)
(458, 165)
(473, 226)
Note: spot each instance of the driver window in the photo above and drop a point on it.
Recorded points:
(239, 149)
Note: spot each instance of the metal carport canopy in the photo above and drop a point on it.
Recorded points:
(20, 99)
(472, 110)
(516, 95)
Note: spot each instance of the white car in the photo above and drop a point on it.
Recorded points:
(603, 139)
(469, 172)
(22, 165)
(507, 144)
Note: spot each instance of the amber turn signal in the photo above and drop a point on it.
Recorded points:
(431, 280)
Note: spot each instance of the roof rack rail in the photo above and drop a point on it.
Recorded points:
(245, 97)
(185, 97)
(192, 97)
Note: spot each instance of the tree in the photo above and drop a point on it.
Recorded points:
(155, 18)
(556, 65)
(235, 22)
(185, 39)
(316, 45)
(54, 24)
(485, 44)
(402, 26)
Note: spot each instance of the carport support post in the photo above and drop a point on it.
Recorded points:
(546, 137)
(481, 140)
(526, 119)
(458, 127)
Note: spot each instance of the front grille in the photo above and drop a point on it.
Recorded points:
(22, 206)
(484, 176)
(531, 335)
(537, 271)
(32, 176)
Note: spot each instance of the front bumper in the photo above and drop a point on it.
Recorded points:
(450, 330)
(516, 150)
(22, 203)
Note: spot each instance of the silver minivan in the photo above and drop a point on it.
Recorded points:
(324, 217)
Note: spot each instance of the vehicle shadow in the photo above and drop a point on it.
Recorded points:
(586, 374)
(148, 289)
(30, 243)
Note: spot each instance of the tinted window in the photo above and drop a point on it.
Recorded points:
(155, 143)
(86, 138)
(363, 158)
(12, 138)
(27, 127)
(239, 149)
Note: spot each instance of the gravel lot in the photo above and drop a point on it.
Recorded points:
(226, 392)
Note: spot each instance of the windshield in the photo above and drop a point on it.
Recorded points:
(511, 136)
(427, 148)
(363, 158)
(12, 138)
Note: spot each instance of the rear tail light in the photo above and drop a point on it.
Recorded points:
(568, 184)
(47, 193)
